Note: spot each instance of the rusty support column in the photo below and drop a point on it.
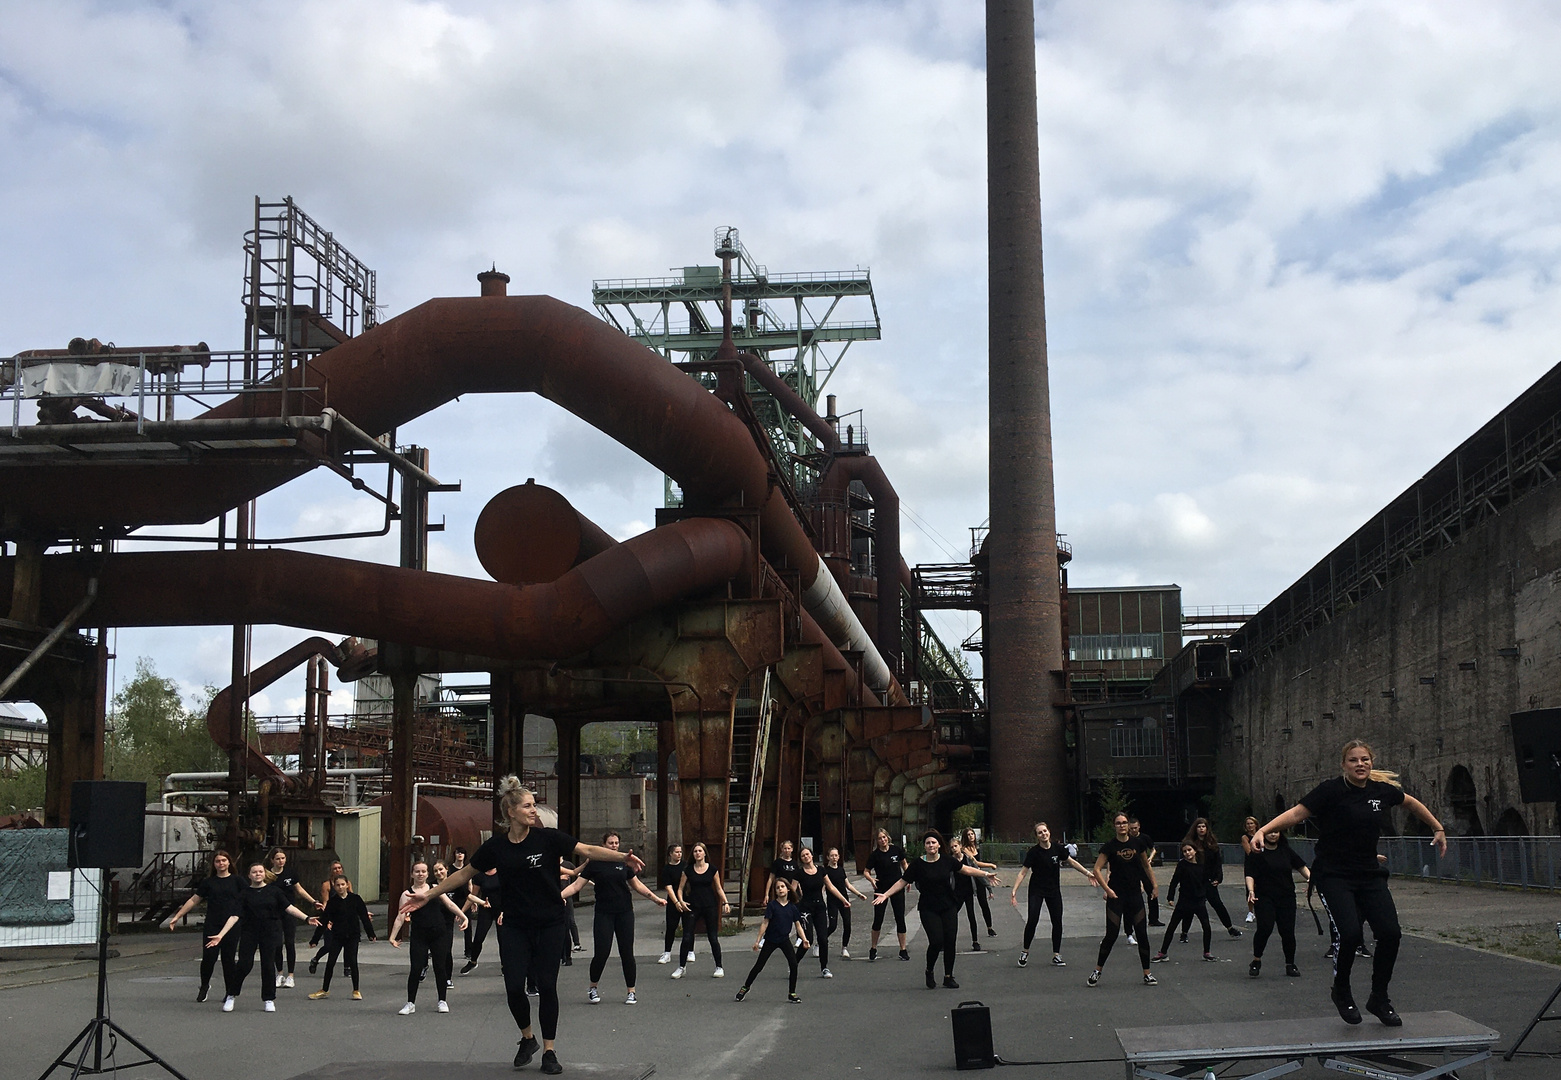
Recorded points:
(568, 771)
(27, 582)
(1024, 643)
(403, 683)
(238, 780)
(663, 794)
(73, 702)
(322, 687)
(499, 697)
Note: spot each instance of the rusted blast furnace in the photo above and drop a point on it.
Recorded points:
(1023, 659)
(733, 625)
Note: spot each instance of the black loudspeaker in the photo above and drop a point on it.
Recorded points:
(107, 824)
(1536, 738)
(973, 1036)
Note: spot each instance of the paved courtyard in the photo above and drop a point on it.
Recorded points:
(871, 1019)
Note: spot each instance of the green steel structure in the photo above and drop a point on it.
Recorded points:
(800, 324)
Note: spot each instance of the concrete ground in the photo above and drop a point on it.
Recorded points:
(870, 1019)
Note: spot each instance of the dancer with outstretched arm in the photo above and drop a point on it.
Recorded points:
(884, 867)
(840, 914)
(780, 915)
(526, 857)
(1044, 863)
(615, 885)
(933, 875)
(1351, 814)
(345, 913)
(1192, 882)
(430, 936)
(818, 892)
(220, 892)
(263, 908)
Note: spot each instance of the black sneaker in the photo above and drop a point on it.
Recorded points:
(1157, 922)
(469, 967)
(990, 932)
(1024, 960)
(950, 984)
(1329, 954)
(1158, 958)
(794, 999)
(1361, 950)
(528, 1050)
(1150, 980)
(1182, 939)
(932, 980)
(1383, 1010)
(872, 954)
(1233, 931)
(314, 965)
(1345, 1003)
(742, 992)
(200, 997)
(550, 1065)
(905, 954)
(1292, 971)
(1254, 969)
(975, 946)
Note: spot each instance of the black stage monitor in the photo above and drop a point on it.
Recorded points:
(973, 1036)
(1536, 737)
(107, 824)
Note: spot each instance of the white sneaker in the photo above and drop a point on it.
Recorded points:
(227, 1004)
(279, 979)
(845, 954)
(678, 973)
(1131, 940)
(269, 1006)
(631, 999)
(593, 997)
(443, 1006)
(666, 958)
(288, 982)
(718, 973)
(691, 956)
(408, 1009)
(826, 974)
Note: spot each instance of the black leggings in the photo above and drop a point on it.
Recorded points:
(325, 945)
(1137, 920)
(674, 921)
(1053, 902)
(942, 928)
(1272, 913)
(897, 902)
(784, 945)
(818, 933)
(1183, 914)
(1352, 902)
(348, 950)
(574, 927)
(607, 925)
(970, 915)
(1218, 905)
(711, 913)
(227, 950)
(287, 945)
(981, 898)
(841, 917)
(485, 917)
(269, 949)
(429, 945)
(535, 952)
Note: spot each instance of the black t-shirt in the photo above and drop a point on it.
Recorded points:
(837, 877)
(1189, 882)
(346, 915)
(964, 884)
(1045, 866)
(222, 899)
(431, 917)
(1272, 871)
(885, 866)
(935, 882)
(670, 873)
(486, 886)
(789, 869)
(528, 873)
(782, 918)
(1350, 820)
(611, 880)
(262, 910)
(285, 881)
(1214, 864)
(812, 887)
(1125, 873)
(699, 888)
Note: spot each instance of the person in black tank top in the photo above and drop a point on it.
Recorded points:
(817, 893)
(1123, 865)
(220, 891)
(672, 873)
(483, 898)
(970, 844)
(613, 917)
(1351, 814)
(934, 875)
(701, 888)
(840, 913)
(432, 928)
(1044, 863)
(527, 857)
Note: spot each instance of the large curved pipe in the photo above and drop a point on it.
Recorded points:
(507, 344)
(790, 400)
(886, 539)
(263, 676)
(553, 621)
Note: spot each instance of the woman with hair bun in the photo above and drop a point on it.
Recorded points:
(1351, 814)
(933, 875)
(526, 858)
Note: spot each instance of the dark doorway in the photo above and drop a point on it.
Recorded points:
(1464, 801)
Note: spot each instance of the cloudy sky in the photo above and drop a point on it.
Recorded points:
(1295, 251)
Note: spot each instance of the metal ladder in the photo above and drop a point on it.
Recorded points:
(750, 738)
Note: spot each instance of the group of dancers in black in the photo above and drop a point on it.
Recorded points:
(518, 883)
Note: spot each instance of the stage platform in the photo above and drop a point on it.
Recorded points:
(1282, 1046)
(464, 1070)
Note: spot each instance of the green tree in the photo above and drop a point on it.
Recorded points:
(22, 790)
(1229, 806)
(1113, 800)
(155, 733)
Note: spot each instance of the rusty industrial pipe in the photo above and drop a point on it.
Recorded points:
(446, 347)
(530, 533)
(886, 540)
(551, 621)
(218, 711)
(790, 400)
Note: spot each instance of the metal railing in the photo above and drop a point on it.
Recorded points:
(1527, 862)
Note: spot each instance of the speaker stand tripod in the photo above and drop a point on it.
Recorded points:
(90, 1041)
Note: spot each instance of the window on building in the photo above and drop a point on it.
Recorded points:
(1137, 739)
(1115, 647)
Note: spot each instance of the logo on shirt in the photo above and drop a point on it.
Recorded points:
(1376, 805)
(534, 860)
